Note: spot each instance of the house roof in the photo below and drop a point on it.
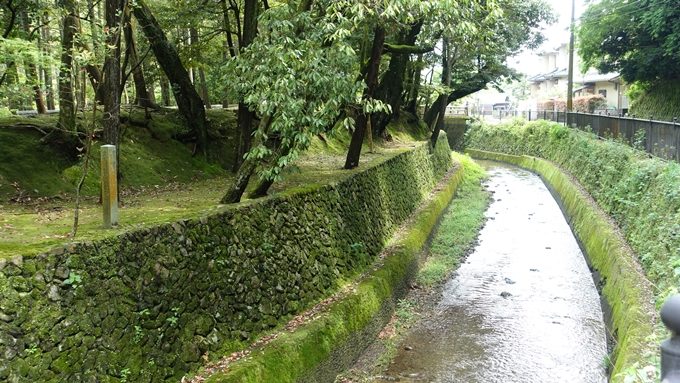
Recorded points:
(597, 77)
(584, 79)
(557, 73)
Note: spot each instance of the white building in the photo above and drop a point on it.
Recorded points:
(551, 82)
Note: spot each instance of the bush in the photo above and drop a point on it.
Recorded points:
(584, 104)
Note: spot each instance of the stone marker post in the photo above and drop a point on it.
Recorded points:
(109, 176)
(670, 348)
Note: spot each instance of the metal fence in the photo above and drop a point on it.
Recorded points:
(660, 138)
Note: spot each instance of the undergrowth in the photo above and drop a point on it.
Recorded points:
(459, 226)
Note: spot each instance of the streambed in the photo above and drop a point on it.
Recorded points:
(523, 307)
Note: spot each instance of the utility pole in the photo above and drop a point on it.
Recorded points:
(570, 83)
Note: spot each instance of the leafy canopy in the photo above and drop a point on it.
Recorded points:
(638, 38)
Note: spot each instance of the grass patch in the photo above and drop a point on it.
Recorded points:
(162, 181)
(31, 168)
(459, 226)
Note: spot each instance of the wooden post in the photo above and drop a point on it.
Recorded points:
(109, 185)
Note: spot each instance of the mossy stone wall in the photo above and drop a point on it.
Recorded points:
(148, 305)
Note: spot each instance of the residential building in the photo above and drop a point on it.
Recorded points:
(551, 82)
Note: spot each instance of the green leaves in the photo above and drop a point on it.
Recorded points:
(640, 39)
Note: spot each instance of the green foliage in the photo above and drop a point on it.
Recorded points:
(659, 101)
(639, 39)
(459, 226)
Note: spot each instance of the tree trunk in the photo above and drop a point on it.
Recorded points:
(237, 18)
(412, 104)
(261, 189)
(443, 99)
(188, 101)
(354, 152)
(245, 171)
(193, 35)
(67, 111)
(94, 29)
(47, 69)
(142, 97)
(37, 90)
(245, 116)
(392, 85)
(226, 24)
(150, 84)
(32, 73)
(165, 90)
(472, 85)
(111, 78)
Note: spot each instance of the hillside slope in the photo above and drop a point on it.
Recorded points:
(33, 165)
(660, 102)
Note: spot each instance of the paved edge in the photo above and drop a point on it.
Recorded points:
(322, 348)
(626, 288)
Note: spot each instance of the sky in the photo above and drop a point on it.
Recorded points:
(526, 62)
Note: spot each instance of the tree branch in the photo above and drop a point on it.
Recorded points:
(12, 19)
(406, 49)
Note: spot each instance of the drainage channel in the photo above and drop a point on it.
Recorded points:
(522, 307)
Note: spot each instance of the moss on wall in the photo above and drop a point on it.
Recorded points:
(148, 305)
(319, 350)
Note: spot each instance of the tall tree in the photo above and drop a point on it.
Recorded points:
(371, 79)
(196, 48)
(67, 110)
(639, 39)
(501, 29)
(32, 72)
(111, 80)
(188, 101)
(305, 76)
(142, 96)
(245, 115)
(391, 87)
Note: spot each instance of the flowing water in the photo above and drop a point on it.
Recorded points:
(522, 308)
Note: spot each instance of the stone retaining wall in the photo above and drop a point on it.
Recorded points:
(148, 305)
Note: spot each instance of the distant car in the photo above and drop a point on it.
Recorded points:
(609, 110)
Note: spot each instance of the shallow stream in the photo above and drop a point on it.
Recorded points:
(523, 307)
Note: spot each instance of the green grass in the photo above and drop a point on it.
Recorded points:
(162, 181)
(459, 226)
(149, 156)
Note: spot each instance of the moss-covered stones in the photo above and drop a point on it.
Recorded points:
(149, 304)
